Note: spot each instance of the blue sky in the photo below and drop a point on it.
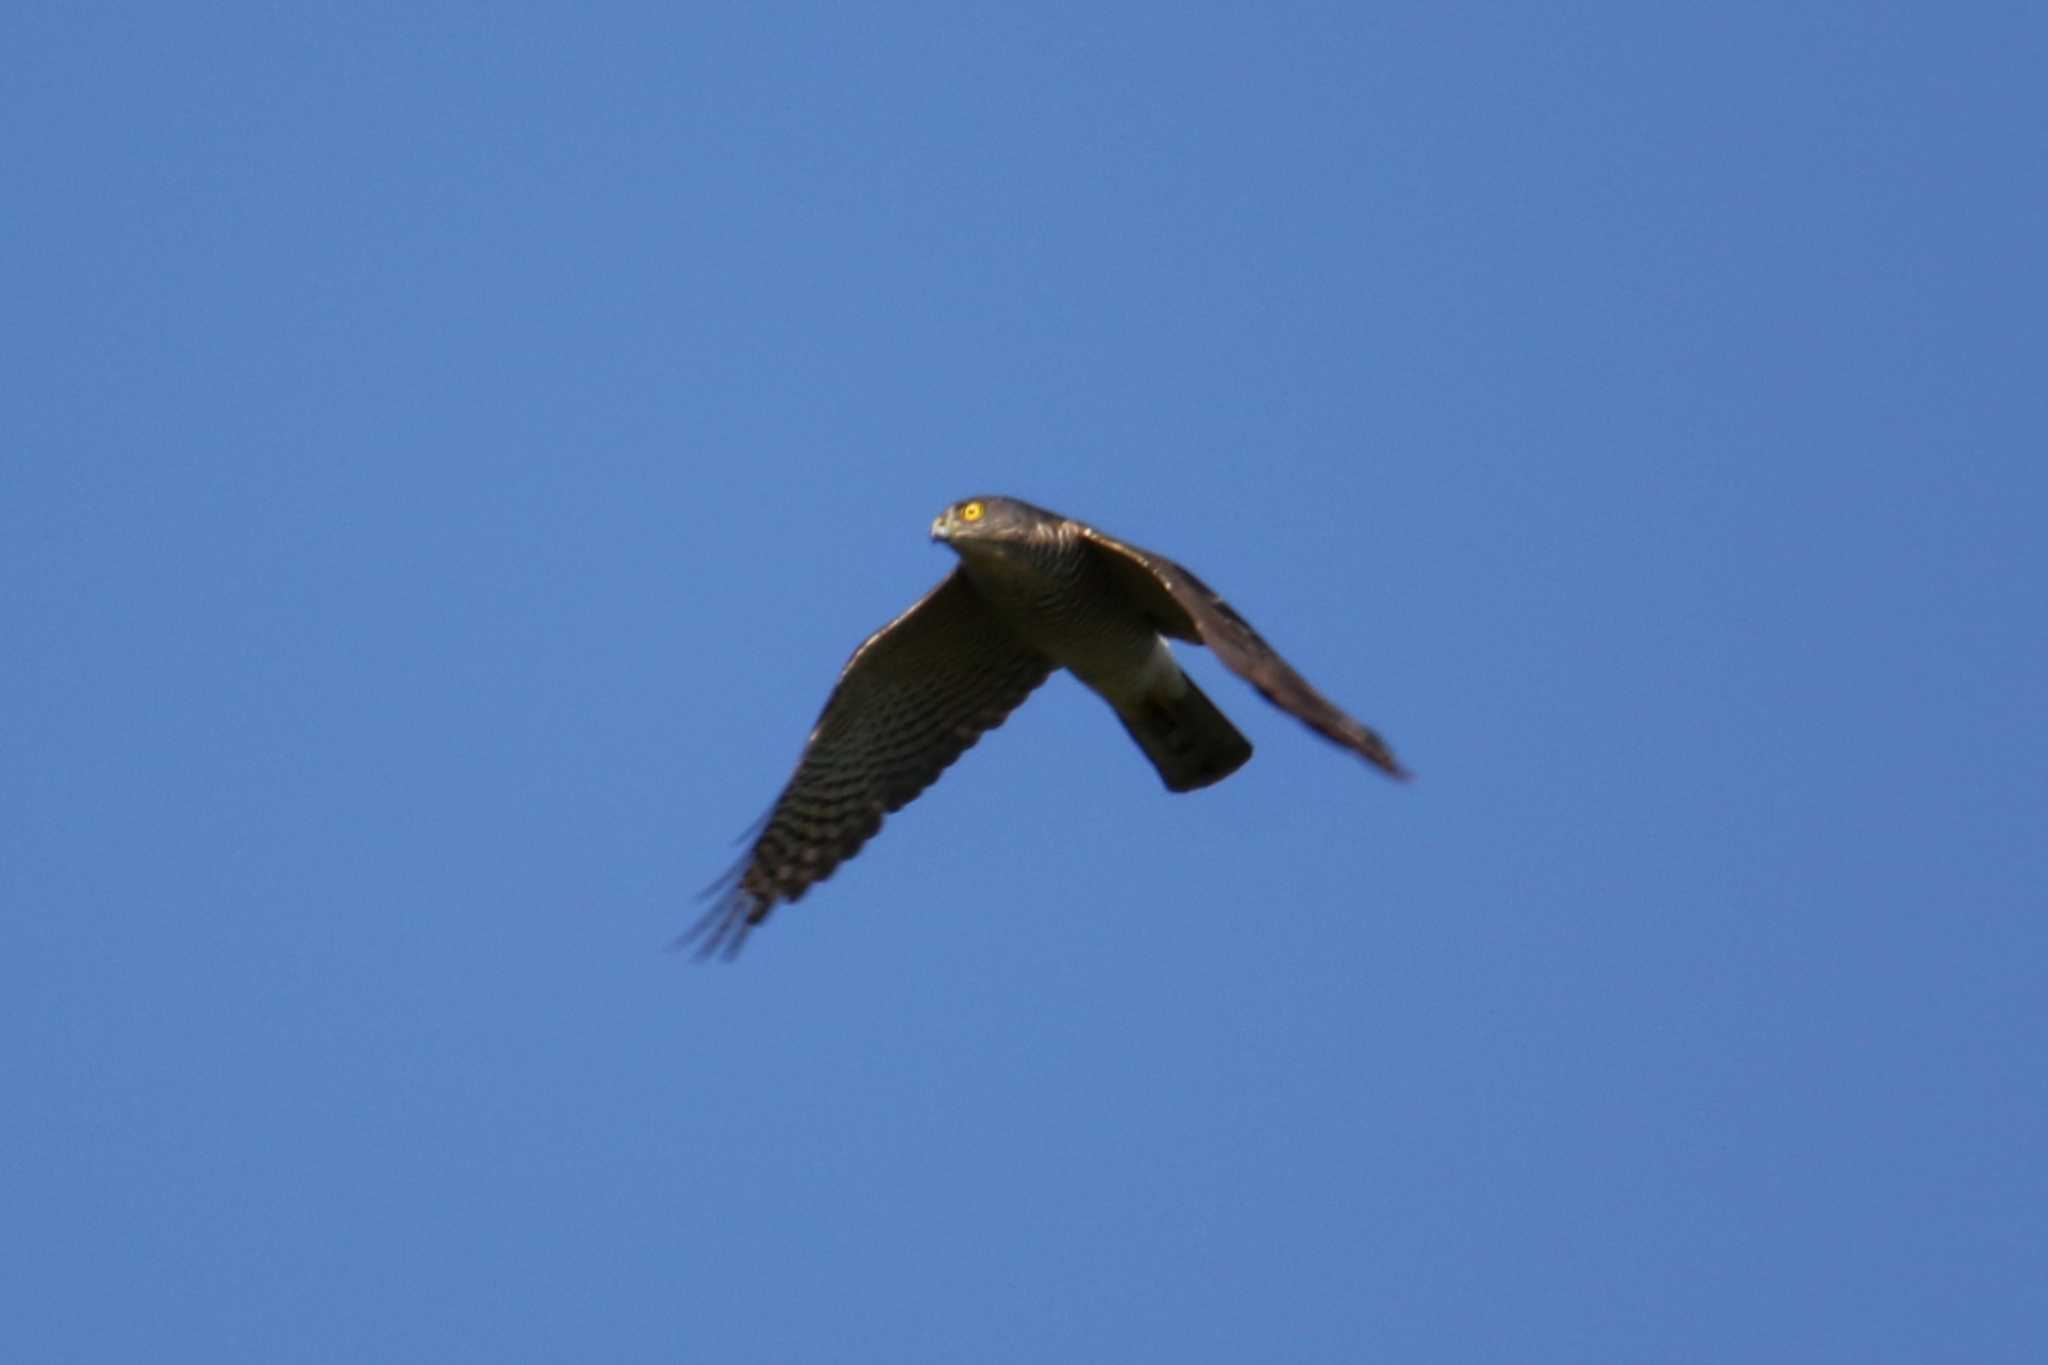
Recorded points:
(448, 452)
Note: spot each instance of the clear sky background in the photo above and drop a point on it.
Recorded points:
(449, 451)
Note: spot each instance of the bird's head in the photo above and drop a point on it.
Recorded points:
(988, 521)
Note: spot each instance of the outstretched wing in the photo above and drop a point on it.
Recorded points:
(913, 698)
(1185, 607)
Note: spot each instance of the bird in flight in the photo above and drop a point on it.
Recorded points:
(1034, 591)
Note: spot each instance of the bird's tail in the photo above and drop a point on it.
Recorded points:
(1189, 741)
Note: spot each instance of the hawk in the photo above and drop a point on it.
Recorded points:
(1034, 591)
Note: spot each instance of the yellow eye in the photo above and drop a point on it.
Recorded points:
(970, 511)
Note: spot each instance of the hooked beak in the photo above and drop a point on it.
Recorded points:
(942, 525)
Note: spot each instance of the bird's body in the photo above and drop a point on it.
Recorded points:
(1033, 592)
(1066, 602)
(1054, 595)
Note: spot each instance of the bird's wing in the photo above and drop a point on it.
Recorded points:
(1185, 607)
(914, 697)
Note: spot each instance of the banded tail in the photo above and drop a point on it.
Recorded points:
(1189, 741)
